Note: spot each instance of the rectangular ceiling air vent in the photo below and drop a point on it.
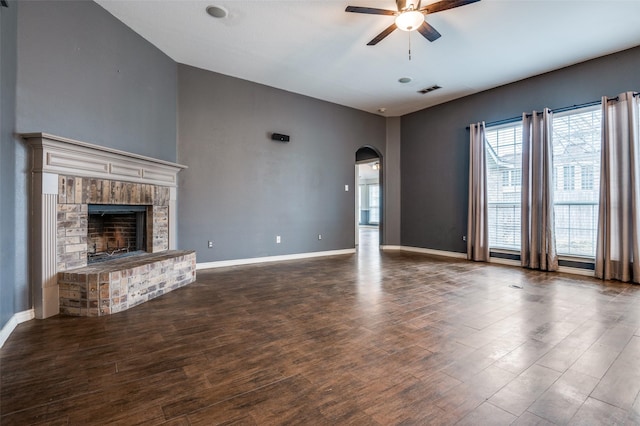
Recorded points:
(429, 89)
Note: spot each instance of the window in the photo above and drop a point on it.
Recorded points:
(512, 178)
(568, 183)
(504, 177)
(576, 175)
(516, 178)
(576, 156)
(586, 181)
(374, 204)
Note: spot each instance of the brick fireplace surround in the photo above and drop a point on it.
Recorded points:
(67, 176)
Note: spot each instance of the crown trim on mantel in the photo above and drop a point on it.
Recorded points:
(55, 154)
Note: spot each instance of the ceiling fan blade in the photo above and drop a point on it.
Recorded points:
(382, 35)
(428, 32)
(445, 5)
(370, 10)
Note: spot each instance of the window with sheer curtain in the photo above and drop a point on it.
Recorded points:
(504, 167)
(576, 151)
(576, 156)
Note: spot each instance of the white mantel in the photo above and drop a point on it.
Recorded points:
(52, 156)
(55, 154)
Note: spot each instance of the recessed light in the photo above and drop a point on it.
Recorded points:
(382, 110)
(404, 80)
(217, 12)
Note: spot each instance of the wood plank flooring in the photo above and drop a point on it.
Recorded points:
(366, 339)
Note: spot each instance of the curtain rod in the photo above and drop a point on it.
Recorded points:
(562, 109)
(570, 108)
(556, 110)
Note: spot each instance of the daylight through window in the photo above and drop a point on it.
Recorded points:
(504, 175)
(576, 157)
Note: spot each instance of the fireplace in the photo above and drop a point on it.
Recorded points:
(133, 202)
(115, 231)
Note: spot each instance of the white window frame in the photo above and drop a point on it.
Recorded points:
(573, 181)
(508, 183)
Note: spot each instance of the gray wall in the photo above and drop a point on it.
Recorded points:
(435, 157)
(242, 189)
(12, 287)
(85, 75)
(392, 183)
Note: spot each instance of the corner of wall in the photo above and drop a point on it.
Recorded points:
(392, 183)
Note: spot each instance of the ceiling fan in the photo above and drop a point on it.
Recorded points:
(410, 16)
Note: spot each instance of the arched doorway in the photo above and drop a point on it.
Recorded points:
(369, 211)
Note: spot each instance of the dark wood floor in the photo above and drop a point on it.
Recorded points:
(366, 339)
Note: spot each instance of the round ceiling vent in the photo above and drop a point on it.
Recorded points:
(217, 12)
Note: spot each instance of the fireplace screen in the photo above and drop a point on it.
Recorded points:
(115, 231)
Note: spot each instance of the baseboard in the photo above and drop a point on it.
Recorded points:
(17, 318)
(503, 261)
(563, 269)
(249, 261)
(443, 253)
(577, 271)
(390, 248)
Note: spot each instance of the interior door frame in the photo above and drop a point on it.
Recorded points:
(380, 160)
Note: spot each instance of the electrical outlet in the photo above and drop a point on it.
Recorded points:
(464, 238)
(278, 240)
(210, 244)
(319, 236)
(346, 187)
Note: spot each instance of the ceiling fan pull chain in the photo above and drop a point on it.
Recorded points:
(409, 45)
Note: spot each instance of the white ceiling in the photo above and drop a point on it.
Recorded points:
(315, 48)
(366, 170)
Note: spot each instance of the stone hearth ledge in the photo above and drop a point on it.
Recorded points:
(112, 286)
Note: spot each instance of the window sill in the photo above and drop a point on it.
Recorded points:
(503, 250)
(571, 261)
(575, 258)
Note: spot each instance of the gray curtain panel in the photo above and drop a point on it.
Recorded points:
(619, 218)
(477, 222)
(538, 247)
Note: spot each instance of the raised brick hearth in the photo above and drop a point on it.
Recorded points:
(116, 285)
(67, 176)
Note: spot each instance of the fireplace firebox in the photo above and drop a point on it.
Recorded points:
(115, 231)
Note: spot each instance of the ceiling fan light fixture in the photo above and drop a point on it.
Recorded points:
(409, 20)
